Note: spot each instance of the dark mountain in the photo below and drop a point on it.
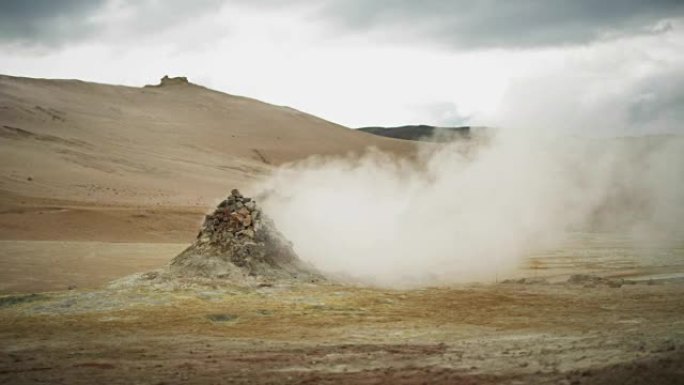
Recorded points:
(421, 132)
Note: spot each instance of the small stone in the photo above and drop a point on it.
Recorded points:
(249, 233)
(150, 275)
(235, 221)
(234, 192)
(247, 220)
(221, 317)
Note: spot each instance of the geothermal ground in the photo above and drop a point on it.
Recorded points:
(100, 182)
(550, 328)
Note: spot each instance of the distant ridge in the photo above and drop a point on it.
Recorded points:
(421, 132)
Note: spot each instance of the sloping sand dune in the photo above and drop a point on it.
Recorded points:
(69, 147)
(178, 143)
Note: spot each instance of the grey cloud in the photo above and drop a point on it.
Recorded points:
(45, 20)
(502, 24)
(454, 23)
(56, 22)
(658, 102)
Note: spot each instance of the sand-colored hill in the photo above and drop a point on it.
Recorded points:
(72, 151)
(177, 143)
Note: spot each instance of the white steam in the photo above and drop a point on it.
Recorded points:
(468, 211)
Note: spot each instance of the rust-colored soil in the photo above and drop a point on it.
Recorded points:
(504, 333)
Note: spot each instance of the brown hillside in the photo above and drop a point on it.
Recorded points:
(68, 143)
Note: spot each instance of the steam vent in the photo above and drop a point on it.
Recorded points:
(237, 239)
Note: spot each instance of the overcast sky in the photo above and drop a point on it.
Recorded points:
(584, 66)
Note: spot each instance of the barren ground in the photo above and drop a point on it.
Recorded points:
(505, 333)
(98, 182)
(553, 332)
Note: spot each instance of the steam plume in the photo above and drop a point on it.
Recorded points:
(468, 211)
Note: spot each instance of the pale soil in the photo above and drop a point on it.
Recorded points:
(40, 266)
(26, 218)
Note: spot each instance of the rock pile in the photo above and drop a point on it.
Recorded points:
(237, 239)
(168, 81)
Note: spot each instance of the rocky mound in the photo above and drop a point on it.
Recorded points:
(237, 239)
(169, 81)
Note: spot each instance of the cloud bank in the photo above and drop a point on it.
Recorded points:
(504, 24)
(550, 64)
(454, 23)
(57, 23)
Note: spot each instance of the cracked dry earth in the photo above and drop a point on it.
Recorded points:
(326, 333)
